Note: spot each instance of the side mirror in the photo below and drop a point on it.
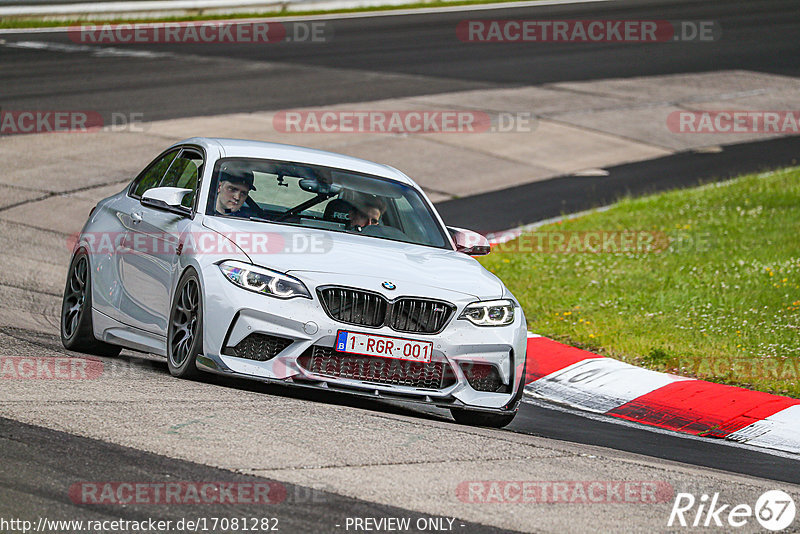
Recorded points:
(167, 198)
(469, 242)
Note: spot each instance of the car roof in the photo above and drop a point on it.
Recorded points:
(243, 148)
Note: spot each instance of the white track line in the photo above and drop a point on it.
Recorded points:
(337, 16)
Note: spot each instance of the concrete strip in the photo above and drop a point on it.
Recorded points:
(539, 100)
(651, 123)
(696, 87)
(60, 162)
(778, 99)
(467, 171)
(651, 100)
(66, 212)
(560, 148)
(20, 278)
(608, 129)
(10, 195)
(30, 310)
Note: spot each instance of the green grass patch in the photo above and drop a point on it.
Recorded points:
(706, 285)
(43, 22)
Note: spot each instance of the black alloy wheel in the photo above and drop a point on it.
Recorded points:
(184, 337)
(77, 331)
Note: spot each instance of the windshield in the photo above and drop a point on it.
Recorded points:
(323, 198)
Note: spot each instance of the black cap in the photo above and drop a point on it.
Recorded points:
(243, 177)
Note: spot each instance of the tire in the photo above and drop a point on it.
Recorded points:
(185, 330)
(77, 331)
(475, 418)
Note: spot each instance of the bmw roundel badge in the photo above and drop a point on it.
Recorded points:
(389, 285)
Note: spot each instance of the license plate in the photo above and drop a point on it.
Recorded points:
(384, 346)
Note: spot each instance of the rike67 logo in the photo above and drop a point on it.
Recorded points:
(774, 510)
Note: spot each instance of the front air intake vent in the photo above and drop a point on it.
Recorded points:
(258, 347)
(484, 377)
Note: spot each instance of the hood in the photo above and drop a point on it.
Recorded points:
(328, 257)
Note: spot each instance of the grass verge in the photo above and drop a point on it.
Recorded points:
(701, 282)
(41, 22)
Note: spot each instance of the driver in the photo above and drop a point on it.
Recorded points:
(366, 212)
(232, 193)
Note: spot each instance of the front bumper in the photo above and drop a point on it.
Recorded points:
(232, 314)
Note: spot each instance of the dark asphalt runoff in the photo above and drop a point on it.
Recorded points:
(387, 57)
(44, 473)
(525, 204)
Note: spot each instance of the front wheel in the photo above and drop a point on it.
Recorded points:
(475, 418)
(77, 331)
(185, 332)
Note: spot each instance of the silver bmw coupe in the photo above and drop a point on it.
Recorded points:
(297, 266)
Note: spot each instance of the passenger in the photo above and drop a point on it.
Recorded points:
(232, 192)
(366, 212)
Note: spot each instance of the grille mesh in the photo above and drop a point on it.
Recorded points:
(259, 347)
(362, 308)
(327, 362)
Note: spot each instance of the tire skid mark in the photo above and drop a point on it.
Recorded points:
(61, 193)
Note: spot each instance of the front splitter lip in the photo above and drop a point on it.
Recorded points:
(439, 398)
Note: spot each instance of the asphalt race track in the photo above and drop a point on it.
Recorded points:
(338, 457)
(302, 509)
(386, 57)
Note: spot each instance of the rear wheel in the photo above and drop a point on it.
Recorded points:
(185, 332)
(475, 418)
(77, 331)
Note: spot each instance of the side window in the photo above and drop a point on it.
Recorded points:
(184, 173)
(152, 175)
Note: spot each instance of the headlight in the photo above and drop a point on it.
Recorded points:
(489, 313)
(264, 281)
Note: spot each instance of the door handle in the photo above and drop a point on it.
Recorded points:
(136, 217)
